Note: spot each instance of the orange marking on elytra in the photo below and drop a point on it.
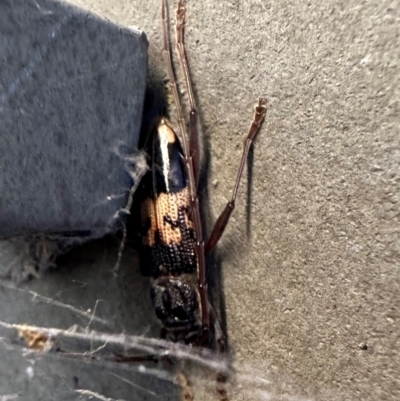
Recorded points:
(148, 211)
(168, 204)
(165, 205)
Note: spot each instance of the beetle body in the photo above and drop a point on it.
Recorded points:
(173, 248)
(168, 238)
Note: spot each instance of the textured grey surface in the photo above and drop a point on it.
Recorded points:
(66, 299)
(71, 97)
(312, 294)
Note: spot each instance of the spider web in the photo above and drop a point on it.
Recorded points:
(64, 332)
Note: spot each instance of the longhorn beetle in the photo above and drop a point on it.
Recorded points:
(173, 249)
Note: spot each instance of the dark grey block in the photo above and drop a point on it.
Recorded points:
(72, 88)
